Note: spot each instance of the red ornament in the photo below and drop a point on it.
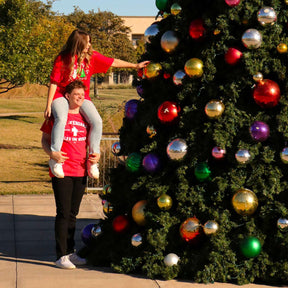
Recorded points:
(168, 112)
(233, 3)
(140, 73)
(190, 230)
(120, 223)
(266, 93)
(232, 56)
(197, 30)
(166, 75)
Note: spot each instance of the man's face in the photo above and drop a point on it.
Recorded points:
(76, 97)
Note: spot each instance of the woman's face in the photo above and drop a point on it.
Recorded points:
(88, 44)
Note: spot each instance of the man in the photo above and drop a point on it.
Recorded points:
(69, 190)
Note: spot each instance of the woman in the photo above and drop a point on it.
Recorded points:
(78, 60)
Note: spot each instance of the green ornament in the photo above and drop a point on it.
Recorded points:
(133, 162)
(202, 171)
(161, 4)
(250, 247)
(82, 73)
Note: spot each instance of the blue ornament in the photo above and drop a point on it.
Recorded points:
(131, 108)
(151, 162)
(139, 90)
(86, 234)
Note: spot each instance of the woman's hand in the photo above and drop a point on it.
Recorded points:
(47, 112)
(142, 64)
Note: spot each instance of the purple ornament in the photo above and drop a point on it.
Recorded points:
(259, 131)
(131, 108)
(139, 90)
(86, 235)
(151, 162)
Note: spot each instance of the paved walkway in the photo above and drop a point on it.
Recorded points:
(27, 249)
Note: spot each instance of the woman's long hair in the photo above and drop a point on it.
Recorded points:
(75, 44)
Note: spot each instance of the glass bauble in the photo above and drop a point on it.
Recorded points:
(197, 30)
(266, 15)
(136, 240)
(177, 149)
(169, 41)
(86, 235)
(120, 223)
(168, 112)
(252, 39)
(258, 77)
(245, 202)
(151, 162)
(202, 171)
(133, 162)
(178, 77)
(250, 247)
(96, 231)
(243, 156)
(282, 48)
(175, 9)
(218, 153)
(131, 108)
(138, 213)
(164, 202)
(210, 227)
(233, 56)
(151, 32)
(284, 155)
(259, 131)
(194, 68)
(151, 131)
(282, 224)
(190, 230)
(214, 108)
(116, 148)
(171, 259)
(152, 70)
(233, 3)
(162, 4)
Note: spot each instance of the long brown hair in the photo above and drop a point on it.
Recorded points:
(75, 44)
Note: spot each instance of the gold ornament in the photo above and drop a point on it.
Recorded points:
(210, 227)
(194, 68)
(282, 48)
(217, 31)
(138, 214)
(245, 202)
(214, 108)
(286, 1)
(152, 70)
(175, 9)
(169, 41)
(164, 202)
(257, 77)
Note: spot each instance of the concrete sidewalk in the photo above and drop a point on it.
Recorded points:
(27, 249)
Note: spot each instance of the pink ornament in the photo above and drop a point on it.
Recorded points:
(218, 153)
(232, 3)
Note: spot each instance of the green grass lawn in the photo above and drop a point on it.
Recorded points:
(24, 164)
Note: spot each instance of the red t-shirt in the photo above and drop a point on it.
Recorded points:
(74, 144)
(62, 75)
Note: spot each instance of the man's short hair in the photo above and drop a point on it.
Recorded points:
(75, 85)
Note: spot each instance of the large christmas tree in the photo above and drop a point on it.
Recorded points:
(202, 193)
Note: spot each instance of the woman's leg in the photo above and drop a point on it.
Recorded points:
(91, 115)
(60, 108)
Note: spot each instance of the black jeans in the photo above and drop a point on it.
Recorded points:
(68, 193)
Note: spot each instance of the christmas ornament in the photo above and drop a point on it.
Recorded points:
(138, 214)
(162, 4)
(232, 56)
(151, 131)
(151, 163)
(197, 30)
(202, 171)
(166, 75)
(282, 224)
(259, 131)
(131, 108)
(86, 235)
(266, 15)
(232, 3)
(116, 148)
(139, 90)
(258, 77)
(168, 112)
(175, 9)
(169, 41)
(252, 39)
(96, 231)
(136, 240)
(194, 68)
(250, 247)
(218, 153)
(178, 77)
(151, 32)
(107, 207)
(284, 155)
(266, 93)
(243, 156)
(245, 202)
(164, 202)
(214, 108)
(133, 162)
(107, 189)
(171, 259)
(140, 73)
(177, 149)
(152, 70)
(282, 48)
(120, 224)
(190, 230)
(210, 227)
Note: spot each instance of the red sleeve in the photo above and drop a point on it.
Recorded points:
(55, 76)
(100, 63)
(47, 126)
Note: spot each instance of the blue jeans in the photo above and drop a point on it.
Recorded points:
(60, 108)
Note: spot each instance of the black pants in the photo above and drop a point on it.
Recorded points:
(68, 193)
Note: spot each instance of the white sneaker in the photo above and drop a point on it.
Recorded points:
(93, 170)
(65, 263)
(56, 168)
(77, 260)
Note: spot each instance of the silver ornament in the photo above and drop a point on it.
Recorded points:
(178, 77)
(177, 149)
(252, 39)
(169, 41)
(266, 15)
(171, 259)
(96, 231)
(242, 156)
(136, 240)
(284, 155)
(116, 148)
(150, 32)
(210, 227)
(282, 224)
(257, 77)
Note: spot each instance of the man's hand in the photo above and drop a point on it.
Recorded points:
(59, 156)
(94, 158)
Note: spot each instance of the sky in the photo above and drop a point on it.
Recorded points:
(118, 7)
